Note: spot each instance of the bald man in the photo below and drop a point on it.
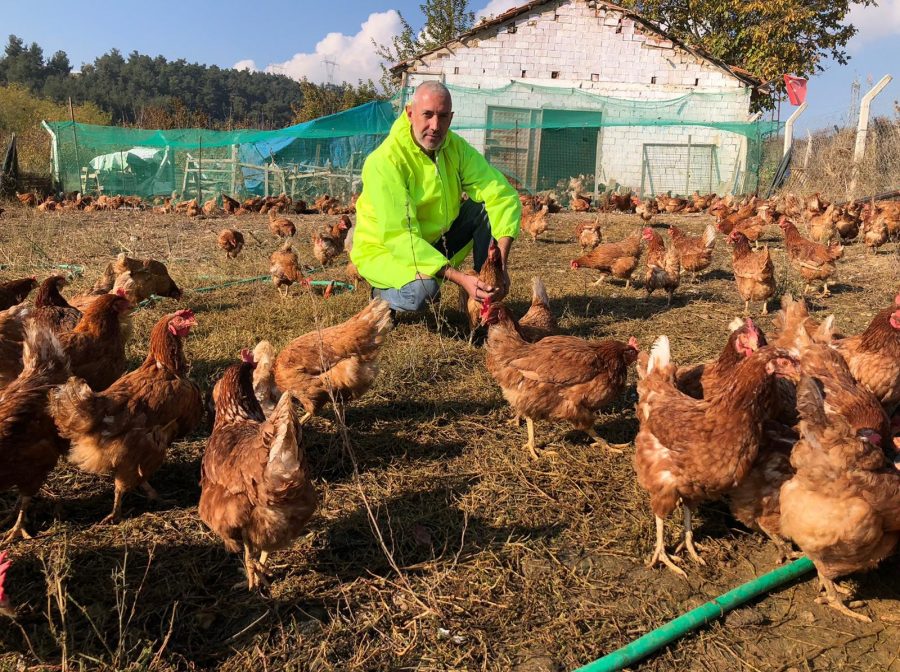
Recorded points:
(413, 230)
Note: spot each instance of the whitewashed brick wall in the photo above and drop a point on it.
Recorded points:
(577, 41)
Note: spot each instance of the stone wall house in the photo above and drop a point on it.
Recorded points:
(611, 80)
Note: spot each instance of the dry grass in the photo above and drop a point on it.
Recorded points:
(438, 545)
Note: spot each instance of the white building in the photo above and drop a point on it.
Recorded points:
(631, 86)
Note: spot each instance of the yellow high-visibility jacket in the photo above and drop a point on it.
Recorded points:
(409, 200)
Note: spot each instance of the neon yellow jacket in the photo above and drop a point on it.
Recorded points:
(408, 201)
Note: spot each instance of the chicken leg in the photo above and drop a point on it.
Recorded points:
(688, 542)
(834, 600)
(117, 506)
(530, 445)
(659, 552)
(600, 442)
(18, 530)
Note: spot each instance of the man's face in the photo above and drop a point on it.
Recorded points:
(430, 114)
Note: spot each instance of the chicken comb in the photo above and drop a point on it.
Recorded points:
(121, 292)
(185, 313)
(247, 356)
(4, 565)
(633, 343)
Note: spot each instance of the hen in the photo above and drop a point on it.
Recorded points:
(754, 272)
(12, 333)
(842, 508)
(534, 221)
(256, 488)
(13, 292)
(694, 253)
(588, 234)
(663, 268)
(812, 260)
(695, 450)
(231, 241)
(96, 346)
(701, 380)
(140, 278)
(338, 362)
(328, 242)
(31, 444)
(874, 355)
(280, 227)
(285, 268)
(823, 226)
(647, 209)
(616, 259)
(492, 275)
(125, 430)
(539, 322)
(52, 309)
(561, 378)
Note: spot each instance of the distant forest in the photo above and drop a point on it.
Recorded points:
(153, 92)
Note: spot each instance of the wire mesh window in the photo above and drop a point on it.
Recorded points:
(679, 168)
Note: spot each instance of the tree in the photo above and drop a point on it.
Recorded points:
(444, 21)
(320, 100)
(767, 37)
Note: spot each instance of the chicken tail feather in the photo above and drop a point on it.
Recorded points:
(539, 292)
(659, 355)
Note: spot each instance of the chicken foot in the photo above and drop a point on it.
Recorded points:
(834, 600)
(154, 496)
(600, 442)
(659, 552)
(18, 529)
(688, 542)
(599, 281)
(117, 506)
(530, 445)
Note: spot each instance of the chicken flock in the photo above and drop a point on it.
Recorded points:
(793, 429)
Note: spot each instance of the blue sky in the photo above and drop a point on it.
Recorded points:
(297, 37)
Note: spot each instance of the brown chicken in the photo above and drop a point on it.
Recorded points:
(280, 227)
(264, 389)
(539, 322)
(848, 220)
(31, 444)
(96, 346)
(12, 333)
(338, 362)
(51, 309)
(813, 261)
(874, 356)
(842, 508)
(491, 274)
(754, 272)
(560, 378)
(328, 242)
(663, 268)
(753, 228)
(13, 292)
(875, 233)
(694, 253)
(285, 269)
(28, 199)
(231, 241)
(588, 234)
(126, 429)
(256, 487)
(823, 226)
(671, 204)
(534, 220)
(230, 205)
(728, 220)
(695, 450)
(701, 380)
(140, 278)
(646, 209)
(579, 202)
(616, 259)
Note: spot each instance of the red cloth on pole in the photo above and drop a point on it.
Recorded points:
(796, 89)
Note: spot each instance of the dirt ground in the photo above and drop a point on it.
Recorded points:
(439, 545)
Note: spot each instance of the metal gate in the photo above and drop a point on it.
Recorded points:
(679, 169)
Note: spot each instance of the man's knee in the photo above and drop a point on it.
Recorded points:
(413, 296)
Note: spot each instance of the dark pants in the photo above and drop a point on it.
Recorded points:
(471, 226)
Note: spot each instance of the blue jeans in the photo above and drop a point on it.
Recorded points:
(471, 226)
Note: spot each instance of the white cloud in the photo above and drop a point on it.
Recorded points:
(495, 8)
(247, 64)
(874, 22)
(353, 55)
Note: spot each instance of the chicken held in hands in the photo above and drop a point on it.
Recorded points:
(126, 429)
(338, 362)
(616, 259)
(560, 378)
(693, 450)
(754, 273)
(31, 444)
(842, 508)
(491, 274)
(256, 487)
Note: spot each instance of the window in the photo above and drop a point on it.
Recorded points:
(653, 80)
(524, 73)
(697, 81)
(595, 76)
(456, 70)
(554, 74)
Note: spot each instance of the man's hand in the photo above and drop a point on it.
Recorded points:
(475, 288)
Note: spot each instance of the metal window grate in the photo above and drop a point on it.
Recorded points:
(679, 169)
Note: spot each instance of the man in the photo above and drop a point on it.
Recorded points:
(412, 229)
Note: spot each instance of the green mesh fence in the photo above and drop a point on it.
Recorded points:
(540, 137)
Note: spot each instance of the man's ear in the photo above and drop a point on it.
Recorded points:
(409, 112)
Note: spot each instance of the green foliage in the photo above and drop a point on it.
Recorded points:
(141, 87)
(320, 100)
(767, 37)
(444, 20)
(21, 112)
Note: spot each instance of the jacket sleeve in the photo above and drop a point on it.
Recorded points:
(485, 184)
(396, 226)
